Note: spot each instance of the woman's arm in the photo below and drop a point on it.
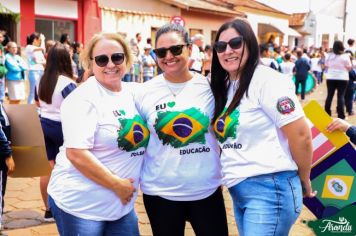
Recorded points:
(90, 167)
(300, 144)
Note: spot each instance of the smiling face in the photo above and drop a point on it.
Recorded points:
(230, 59)
(173, 66)
(110, 75)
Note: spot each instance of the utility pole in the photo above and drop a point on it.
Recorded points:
(344, 21)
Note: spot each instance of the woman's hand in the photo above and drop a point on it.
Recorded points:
(10, 165)
(124, 190)
(307, 189)
(338, 124)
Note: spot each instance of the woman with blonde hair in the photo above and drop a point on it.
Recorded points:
(94, 183)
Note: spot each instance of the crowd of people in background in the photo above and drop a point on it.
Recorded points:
(215, 79)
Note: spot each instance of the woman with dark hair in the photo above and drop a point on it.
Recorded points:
(55, 85)
(65, 39)
(337, 66)
(181, 173)
(265, 140)
(36, 62)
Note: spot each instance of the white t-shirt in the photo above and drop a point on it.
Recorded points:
(197, 56)
(337, 66)
(315, 66)
(287, 68)
(63, 88)
(108, 125)
(250, 137)
(35, 57)
(182, 161)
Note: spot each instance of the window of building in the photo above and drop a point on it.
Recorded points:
(153, 36)
(54, 28)
(213, 36)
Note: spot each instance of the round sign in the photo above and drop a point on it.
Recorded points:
(178, 20)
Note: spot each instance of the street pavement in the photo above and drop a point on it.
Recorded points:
(23, 215)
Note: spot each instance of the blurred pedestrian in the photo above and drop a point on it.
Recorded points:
(181, 173)
(148, 63)
(351, 86)
(287, 66)
(36, 62)
(208, 54)
(302, 68)
(197, 53)
(65, 39)
(338, 65)
(94, 182)
(3, 69)
(264, 138)
(15, 77)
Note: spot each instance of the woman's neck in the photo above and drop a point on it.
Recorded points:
(178, 77)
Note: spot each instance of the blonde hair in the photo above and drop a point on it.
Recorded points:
(86, 55)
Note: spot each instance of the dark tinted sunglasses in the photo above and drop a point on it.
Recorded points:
(175, 50)
(103, 60)
(234, 43)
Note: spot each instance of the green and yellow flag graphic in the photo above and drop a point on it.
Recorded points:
(225, 125)
(180, 128)
(133, 134)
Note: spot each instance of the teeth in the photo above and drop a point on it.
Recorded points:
(171, 63)
(232, 59)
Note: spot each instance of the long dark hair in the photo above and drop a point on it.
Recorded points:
(338, 47)
(30, 38)
(58, 63)
(220, 77)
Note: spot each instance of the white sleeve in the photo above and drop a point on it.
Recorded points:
(279, 101)
(79, 123)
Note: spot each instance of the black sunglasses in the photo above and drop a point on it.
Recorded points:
(234, 43)
(176, 50)
(103, 60)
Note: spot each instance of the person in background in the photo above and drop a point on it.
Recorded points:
(263, 134)
(351, 86)
(49, 44)
(338, 65)
(287, 66)
(351, 46)
(94, 182)
(343, 126)
(54, 86)
(15, 77)
(3, 69)
(316, 66)
(36, 63)
(196, 56)
(65, 39)
(266, 57)
(7, 164)
(148, 63)
(77, 48)
(301, 68)
(181, 174)
(208, 54)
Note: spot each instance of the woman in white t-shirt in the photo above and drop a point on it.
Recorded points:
(94, 182)
(337, 66)
(263, 135)
(181, 175)
(36, 62)
(55, 85)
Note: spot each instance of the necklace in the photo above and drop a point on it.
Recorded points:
(177, 88)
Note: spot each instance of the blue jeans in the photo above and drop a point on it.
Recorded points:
(69, 225)
(127, 78)
(2, 89)
(267, 204)
(33, 76)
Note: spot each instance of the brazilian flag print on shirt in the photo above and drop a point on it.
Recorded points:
(180, 128)
(133, 134)
(225, 125)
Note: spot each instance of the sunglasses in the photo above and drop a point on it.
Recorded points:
(176, 50)
(234, 43)
(103, 60)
